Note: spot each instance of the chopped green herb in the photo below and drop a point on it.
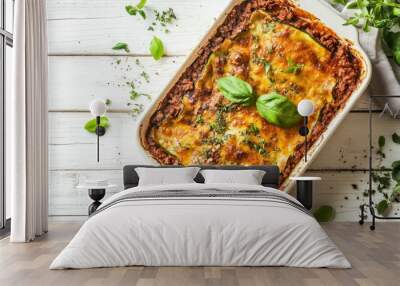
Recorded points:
(260, 147)
(165, 17)
(199, 119)
(145, 76)
(294, 67)
(252, 129)
(261, 61)
(108, 102)
(136, 110)
(137, 9)
(121, 46)
(268, 27)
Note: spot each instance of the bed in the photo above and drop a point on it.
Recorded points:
(201, 224)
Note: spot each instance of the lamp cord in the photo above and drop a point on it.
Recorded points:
(98, 136)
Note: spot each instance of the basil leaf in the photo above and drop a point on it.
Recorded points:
(324, 214)
(278, 110)
(236, 90)
(156, 48)
(90, 126)
(121, 46)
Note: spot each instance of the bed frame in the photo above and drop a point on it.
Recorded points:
(271, 177)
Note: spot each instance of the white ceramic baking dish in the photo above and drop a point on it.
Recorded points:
(331, 18)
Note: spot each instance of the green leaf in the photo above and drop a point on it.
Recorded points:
(278, 110)
(396, 138)
(382, 207)
(156, 48)
(352, 5)
(236, 90)
(121, 46)
(396, 11)
(396, 56)
(324, 214)
(131, 10)
(352, 21)
(396, 171)
(393, 42)
(142, 13)
(90, 126)
(381, 141)
(141, 4)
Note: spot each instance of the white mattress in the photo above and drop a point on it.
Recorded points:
(194, 231)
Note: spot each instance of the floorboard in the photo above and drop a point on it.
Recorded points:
(375, 257)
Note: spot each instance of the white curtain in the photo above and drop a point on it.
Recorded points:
(27, 117)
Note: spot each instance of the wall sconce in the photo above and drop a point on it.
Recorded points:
(305, 108)
(98, 108)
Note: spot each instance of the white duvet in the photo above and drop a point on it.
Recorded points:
(200, 231)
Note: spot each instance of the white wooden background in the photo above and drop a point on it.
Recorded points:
(83, 67)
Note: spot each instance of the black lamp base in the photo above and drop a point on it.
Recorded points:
(100, 130)
(96, 195)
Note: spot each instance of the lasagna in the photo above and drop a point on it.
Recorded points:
(274, 46)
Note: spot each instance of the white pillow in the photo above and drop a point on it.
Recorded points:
(166, 176)
(247, 177)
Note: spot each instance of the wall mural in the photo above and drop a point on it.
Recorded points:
(231, 107)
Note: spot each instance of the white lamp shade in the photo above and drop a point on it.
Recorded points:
(305, 107)
(98, 107)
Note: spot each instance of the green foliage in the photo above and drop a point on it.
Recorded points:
(90, 126)
(393, 42)
(156, 48)
(396, 171)
(381, 14)
(278, 110)
(382, 206)
(324, 214)
(137, 9)
(121, 46)
(236, 90)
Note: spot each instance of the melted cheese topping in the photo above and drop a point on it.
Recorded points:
(271, 56)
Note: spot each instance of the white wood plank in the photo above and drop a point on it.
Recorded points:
(93, 27)
(66, 199)
(72, 147)
(74, 81)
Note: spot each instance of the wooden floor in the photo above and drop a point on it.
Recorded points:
(375, 257)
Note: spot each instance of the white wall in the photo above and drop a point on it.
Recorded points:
(83, 66)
